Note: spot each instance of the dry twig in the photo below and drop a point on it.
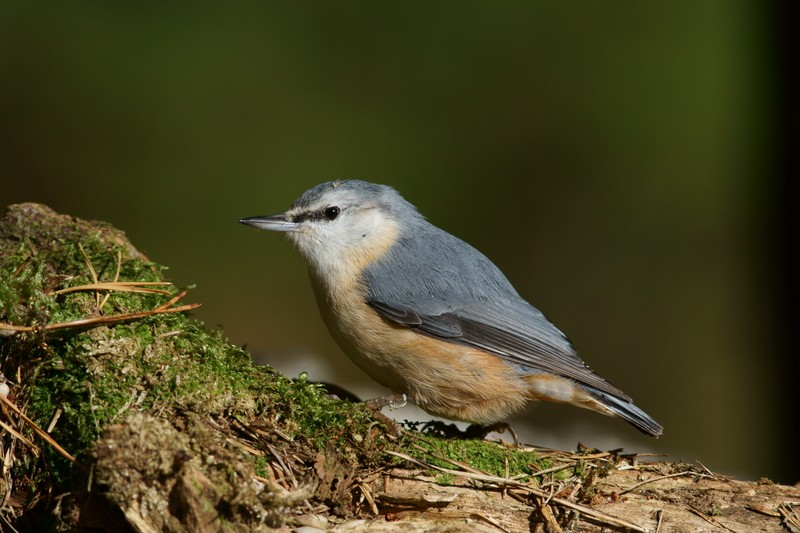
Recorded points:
(36, 429)
(659, 478)
(587, 511)
(9, 329)
(122, 286)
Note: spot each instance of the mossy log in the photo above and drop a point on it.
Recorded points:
(122, 412)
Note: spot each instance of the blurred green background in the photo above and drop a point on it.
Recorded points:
(612, 159)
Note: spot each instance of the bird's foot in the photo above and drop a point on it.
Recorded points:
(394, 401)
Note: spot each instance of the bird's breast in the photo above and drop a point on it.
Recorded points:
(443, 377)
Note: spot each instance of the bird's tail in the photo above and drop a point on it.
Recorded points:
(627, 411)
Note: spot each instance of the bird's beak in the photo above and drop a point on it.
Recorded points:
(272, 223)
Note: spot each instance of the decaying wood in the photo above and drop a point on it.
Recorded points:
(411, 501)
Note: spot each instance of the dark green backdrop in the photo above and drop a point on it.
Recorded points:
(612, 158)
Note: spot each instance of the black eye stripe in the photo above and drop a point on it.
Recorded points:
(326, 213)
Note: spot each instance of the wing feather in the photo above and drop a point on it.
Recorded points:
(445, 288)
(515, 331)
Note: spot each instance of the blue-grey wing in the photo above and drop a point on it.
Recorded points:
(443, 287)
(515, 331)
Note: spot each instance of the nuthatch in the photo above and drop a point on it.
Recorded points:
(427, 315)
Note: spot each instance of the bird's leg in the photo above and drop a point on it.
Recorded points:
(394, 401)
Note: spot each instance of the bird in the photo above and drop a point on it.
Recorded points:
(430, 317)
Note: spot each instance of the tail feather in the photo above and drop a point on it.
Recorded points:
(628, 412)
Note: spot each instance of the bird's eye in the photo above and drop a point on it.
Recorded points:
(332, 212)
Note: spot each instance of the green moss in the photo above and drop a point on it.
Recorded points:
(445, 479)
(164, 364)
(261, 466)
(485, 456)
